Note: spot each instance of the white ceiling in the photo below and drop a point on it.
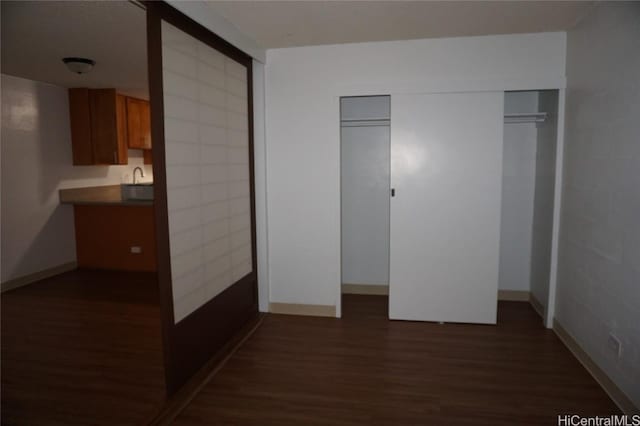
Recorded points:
(37, 35)
(300, 23)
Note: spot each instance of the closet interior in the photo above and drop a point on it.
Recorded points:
(365, 162)
(526, 204)
(528, 187)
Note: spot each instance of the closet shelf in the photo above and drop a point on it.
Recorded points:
(526, 117)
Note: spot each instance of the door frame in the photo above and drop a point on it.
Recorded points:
(189, 344)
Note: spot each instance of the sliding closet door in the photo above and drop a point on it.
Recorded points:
(204, 153)
(446, 169)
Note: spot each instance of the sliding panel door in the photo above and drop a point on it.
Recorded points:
(202, 113)
(446, 169)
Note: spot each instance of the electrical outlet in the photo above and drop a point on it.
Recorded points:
(614, 345)
(136, 249)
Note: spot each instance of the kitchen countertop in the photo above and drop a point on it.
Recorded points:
(109, 195)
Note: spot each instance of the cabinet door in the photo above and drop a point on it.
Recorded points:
(105, 235)
(80, 116)
(121, 126)
(147, 156)
(104, 127)
(138, 124)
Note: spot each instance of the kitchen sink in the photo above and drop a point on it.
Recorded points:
(137, 191)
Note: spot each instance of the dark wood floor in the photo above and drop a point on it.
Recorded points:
(365, 370)
(82, 348)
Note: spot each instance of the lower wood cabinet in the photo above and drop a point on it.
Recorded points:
(106, 234)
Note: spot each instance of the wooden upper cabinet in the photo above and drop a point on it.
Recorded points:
(98, 123)
(121, 120)
(138, 124)
(80, 127)
(147, 156)
(108, 119)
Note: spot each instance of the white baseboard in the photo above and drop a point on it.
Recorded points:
(369, 289)
(301, 309)
(615, 393)
(37, 276)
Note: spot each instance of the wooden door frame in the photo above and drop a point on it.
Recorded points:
(189, 344)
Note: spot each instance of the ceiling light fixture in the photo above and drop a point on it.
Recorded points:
(79, 65)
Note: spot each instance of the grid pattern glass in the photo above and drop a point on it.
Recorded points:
(207, 154)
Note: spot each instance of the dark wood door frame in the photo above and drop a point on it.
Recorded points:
(191, 343)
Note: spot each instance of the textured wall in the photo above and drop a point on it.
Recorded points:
(599, 265)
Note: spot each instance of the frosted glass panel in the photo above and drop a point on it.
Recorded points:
(207, 155)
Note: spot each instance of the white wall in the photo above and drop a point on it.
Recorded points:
(365, 161)
(599, 267)
(260, 173)
(542, 227)
(37, 232)
(518, 182)
(303, 86)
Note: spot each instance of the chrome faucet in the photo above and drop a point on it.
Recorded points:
(134, 174)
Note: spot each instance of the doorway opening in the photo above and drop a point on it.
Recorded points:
(81, 316)
(528, 188)
(365, 181)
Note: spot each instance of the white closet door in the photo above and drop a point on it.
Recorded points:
(446, 168)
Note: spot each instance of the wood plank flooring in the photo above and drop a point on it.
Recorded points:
(365, 370)
(82, 348)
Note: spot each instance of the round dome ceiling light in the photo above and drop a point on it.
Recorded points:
(79, 65)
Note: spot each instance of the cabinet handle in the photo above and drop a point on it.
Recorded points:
(393, 192)
(115, 157)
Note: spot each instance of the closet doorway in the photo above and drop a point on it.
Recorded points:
(474, 205)
(528, 190)
(364, 168)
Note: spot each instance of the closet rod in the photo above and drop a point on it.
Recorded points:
(528, 117)
(351, 120)
(365, 124)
